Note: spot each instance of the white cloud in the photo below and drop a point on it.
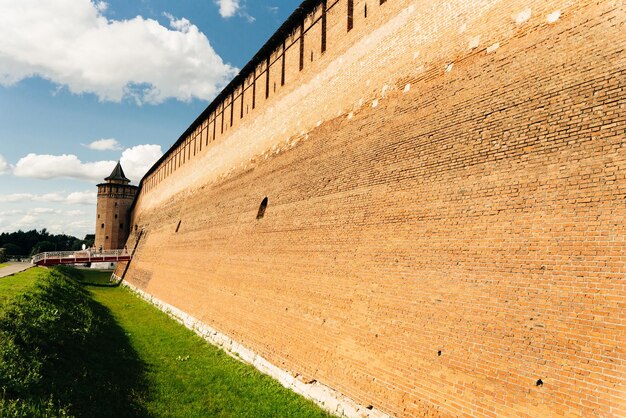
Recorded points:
(44, 210)
(4, 165)
(42, 166)
(84, 198)
(71, 43)
(135, 162)
(109, 144)
(54, 219)
(228, 8)
(25, 222)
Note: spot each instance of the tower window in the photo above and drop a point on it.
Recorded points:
(116, 216)
(178, 226)
(101, 225)
(262, 208)
(115, 204)
(107, 237)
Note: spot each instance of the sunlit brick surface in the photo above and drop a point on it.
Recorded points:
(446, 201)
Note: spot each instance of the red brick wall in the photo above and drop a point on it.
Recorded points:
(435, 249)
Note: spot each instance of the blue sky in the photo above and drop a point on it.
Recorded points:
(84, 84)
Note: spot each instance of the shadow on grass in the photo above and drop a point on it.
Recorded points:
(106, 379)
(56, 343)
(95, 278)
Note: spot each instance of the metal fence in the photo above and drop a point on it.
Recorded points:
(82, 256)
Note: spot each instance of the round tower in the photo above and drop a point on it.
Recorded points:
(115, 197)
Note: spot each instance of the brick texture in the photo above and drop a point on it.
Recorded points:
(446, 191)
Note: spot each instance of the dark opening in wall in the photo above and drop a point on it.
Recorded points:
(102, 226)
(232, 107)
(254, 90)
(241, 110)
(121, 226)
(382, 1)
(267, 78)
(262, 208)
(115, 204)
(365, 11)
(324, 7)
(282, 67)
(301, 45)
(116, 216)
(350, 14)
(98, 216)
(107, 237)
(178, 226)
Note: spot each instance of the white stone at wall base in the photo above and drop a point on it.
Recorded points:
(326, 397)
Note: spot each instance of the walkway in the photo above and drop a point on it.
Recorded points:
(13, 268)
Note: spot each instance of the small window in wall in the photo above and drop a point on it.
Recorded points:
(136, 226)
(365, 11)
(262, 208)
(115, 204)
(98, 216)
(178, 226)
(116, 216)
(107, 237)
(101, 225)
(121, 226)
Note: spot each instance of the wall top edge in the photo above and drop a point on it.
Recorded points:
(293, 22)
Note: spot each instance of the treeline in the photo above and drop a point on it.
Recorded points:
(27, 243)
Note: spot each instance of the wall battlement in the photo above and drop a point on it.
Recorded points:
(444, 232)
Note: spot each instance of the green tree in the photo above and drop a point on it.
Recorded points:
(12, 249)
(42, 247)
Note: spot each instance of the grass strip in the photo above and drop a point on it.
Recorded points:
(186, 376)
(62, 354)
(19, 283)
(68, 348)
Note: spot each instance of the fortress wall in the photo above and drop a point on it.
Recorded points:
(445, 227)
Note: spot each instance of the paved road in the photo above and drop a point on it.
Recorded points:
(13, 268)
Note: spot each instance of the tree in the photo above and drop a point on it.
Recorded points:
(42, 247)
(12, 249)
(89, 240)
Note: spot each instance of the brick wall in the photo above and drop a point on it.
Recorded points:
(446, 191)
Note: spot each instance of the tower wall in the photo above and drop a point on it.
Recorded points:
(446, 186)
(113, 215)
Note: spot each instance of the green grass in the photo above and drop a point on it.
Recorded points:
(184, 375)
(97, 350)
(62, 353)
(11, 286)
(3, 265)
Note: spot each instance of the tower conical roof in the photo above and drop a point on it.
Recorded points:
(117, 174)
